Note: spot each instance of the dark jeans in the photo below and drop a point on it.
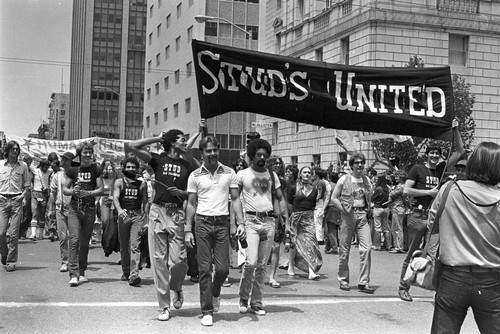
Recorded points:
(80, 225)
(130, 240)
(417, 227)
(457, 291)
(212, 239)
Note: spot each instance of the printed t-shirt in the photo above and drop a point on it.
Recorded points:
(256, 189)
(425, 178)
(87, 177)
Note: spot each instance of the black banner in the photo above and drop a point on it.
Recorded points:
(404, 101)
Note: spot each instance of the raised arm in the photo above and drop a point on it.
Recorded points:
(459, 147)
(136, 147)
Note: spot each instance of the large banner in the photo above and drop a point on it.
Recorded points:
(104, 148)
(417, 102)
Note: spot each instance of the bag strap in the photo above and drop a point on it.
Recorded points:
(272, 184)
(476, 204)
(437, 216)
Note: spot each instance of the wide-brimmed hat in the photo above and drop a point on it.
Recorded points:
(68, 155)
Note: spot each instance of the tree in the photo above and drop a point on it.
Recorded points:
(407, 152)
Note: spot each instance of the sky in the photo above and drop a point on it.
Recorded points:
(35, 41)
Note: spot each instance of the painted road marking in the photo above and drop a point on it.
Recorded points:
(273, 301)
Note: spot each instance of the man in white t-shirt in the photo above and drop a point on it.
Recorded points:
(258, 190)
(208, 188)
(352, 196)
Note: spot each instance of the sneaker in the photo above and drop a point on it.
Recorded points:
(366, 288)
(178, 299)
(83, 279)
(134, 281)
(216, 303)
(258, 310)
(124, 277)
(73, 282)
(10, 268)
(243, 306)
(64, 268)
(164, 315)
(207, 320)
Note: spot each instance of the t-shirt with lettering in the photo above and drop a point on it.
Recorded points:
(169, 172)
(425, 178)
(131, 195)
(87, 177)
(256, 189)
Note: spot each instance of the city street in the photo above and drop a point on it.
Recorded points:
(36, 298)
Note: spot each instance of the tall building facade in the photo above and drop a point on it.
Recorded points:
(58, 110)
(107, 69)
(171, 96)
(462, 34)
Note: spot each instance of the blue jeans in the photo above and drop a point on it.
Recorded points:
(10, 209)
(417, 227)
(457, 291)
(80, 225)
(212, 240)
(130, 240)
(355, 221)
(260, 237)
(62, 233)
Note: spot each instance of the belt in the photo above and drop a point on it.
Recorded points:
(10, 195)
(169, 205)
(473, 269)
(416, 210)
(262, 214)
(134, 212)
(359, 208)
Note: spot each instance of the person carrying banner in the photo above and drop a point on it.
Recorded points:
(352, 197)
(166, 216)
(422, 184)
(14, 186)
(208, 187)
(58, 205)
(83, 184)
(129, 198)
(256, 187)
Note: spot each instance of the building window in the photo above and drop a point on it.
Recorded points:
(254, 32)
(147, 122)
(457, 49)
(344, 50)
(149, 93)
(190, 34)
(295, 160)
(157, 88)
(296, 127)
(316, 159)
(178, 44)
(149, 66)
(277, 47)
(188, 105)
(158, 30)
(168, 20)
(189, 69)
(223, 140)
(156, 118)
(151, 11)
(211, 29)
(166, 83)
(278, 4)
(235, 141)
(300, 10)
(191, 2)
(176, 76)
(167, 51)
(176, 110)
(165, 114)
(225, 30)
(318, 54)
(150, 38)
(179, 10)
(158, 59)
(274, 138)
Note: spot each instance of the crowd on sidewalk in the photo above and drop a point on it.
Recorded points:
(182, 217)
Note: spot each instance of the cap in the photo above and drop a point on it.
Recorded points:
(68, 155)
(461, 163)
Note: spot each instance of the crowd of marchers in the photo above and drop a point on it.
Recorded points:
(183, 217)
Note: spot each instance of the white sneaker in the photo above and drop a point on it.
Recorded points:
(64, 268)
(164, 315)
(73, 281)
(83, 279)
(216, 303)
(207, 320)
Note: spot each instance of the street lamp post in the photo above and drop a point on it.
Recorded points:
(107, 110)
(205, 18)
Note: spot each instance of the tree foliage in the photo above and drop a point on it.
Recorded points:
(407, 152)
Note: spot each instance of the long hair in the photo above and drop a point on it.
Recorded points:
(300, 183)
(270, 165)
(484, 164)
(10, 145)
(240, 161)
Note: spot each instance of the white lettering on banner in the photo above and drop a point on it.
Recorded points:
(342, 88)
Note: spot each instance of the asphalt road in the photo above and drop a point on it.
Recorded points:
(36, 298)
